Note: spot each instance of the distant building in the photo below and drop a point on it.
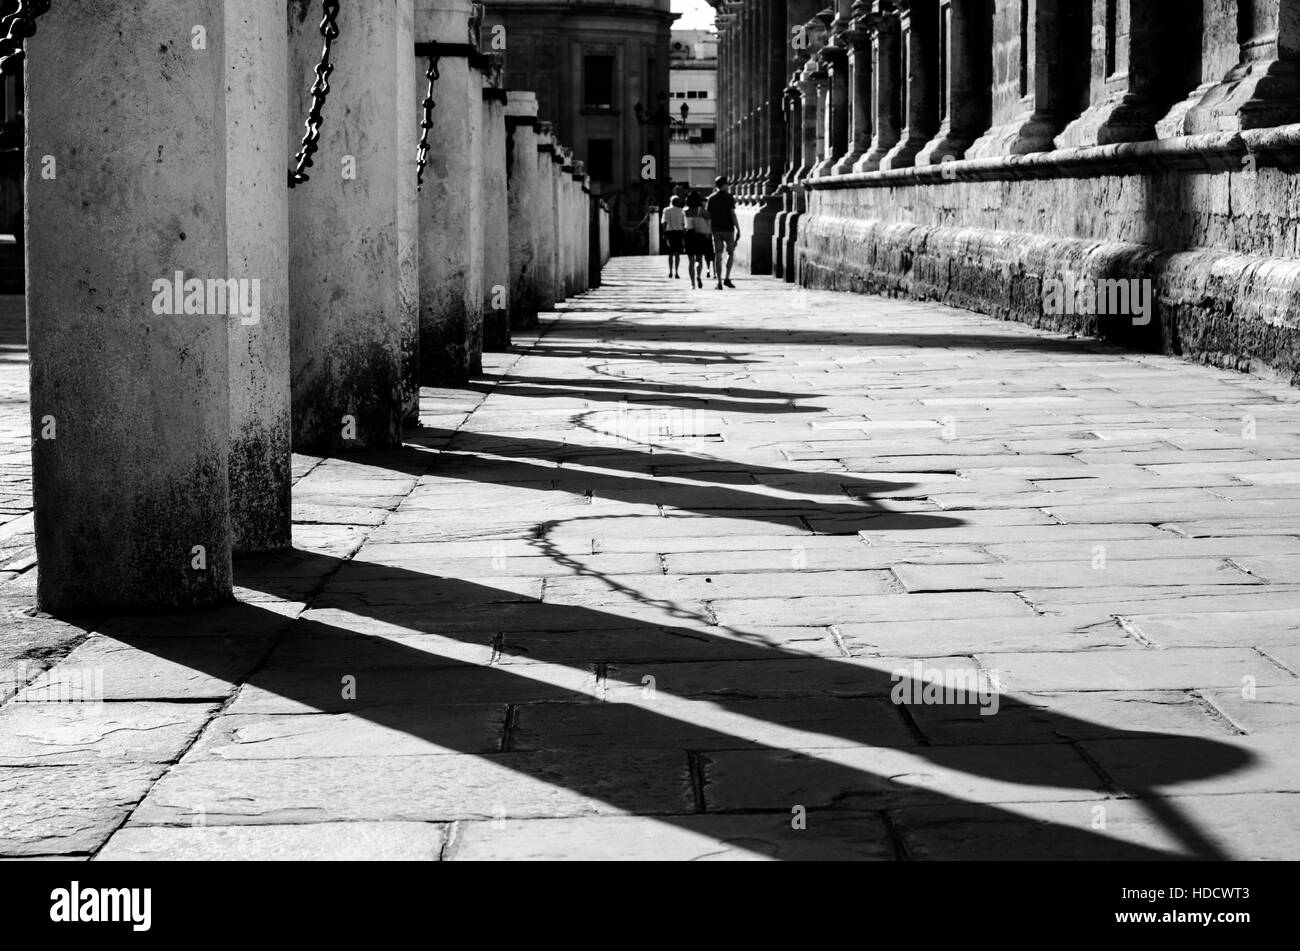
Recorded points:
(593, 65)
(693, 156)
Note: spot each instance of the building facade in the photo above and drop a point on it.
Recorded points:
(1030, 159)
(694, 151)
(601, 71)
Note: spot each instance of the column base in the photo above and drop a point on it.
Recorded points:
(949, 145)
(1036, 133)
(845, 165)
(1124, 117)
(903, 155)
(1252, 96)
(871, 161)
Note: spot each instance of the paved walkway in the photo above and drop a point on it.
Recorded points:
(654, 588)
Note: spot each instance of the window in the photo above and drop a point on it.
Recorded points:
(708, 135)
(600, 160)
(598, 82)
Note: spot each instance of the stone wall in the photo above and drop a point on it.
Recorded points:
(1021, 159)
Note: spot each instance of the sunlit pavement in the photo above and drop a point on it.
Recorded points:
(714, 574)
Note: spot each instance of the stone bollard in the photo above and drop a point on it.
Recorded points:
(520, 125)
(257, 223)
(652, 223)
(451, 228)
(496, 218)
(128, 314)
(345, 274)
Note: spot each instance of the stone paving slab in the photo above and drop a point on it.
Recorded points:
(672, 580)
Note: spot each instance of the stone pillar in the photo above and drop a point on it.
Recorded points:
(545, 219)
(523, 184)
(836, 57)
(593, 240)
(822, 80)
(919, 28)
(496, 218)
(344, 271)
(858, 41)
(1041, 75)
(130, 400)
(257, 216)
(1263, 89)
(1131, 71)
(886, 95)
(451, 230)
(965, 79)
(409, 74)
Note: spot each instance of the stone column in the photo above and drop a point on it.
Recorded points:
(257, 216)
(1035, 101)
(130, 399)
(965, 78)
(919, 26)
(496, 216)
(545, 218)
(1131, 69)
(522, 177)
(886, 95)
(1263, 89)
(451, 245)
(836, 57)
(344, 270)
(409, 74)
(858, 41)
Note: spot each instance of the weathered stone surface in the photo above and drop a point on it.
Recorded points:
(319, 842)
(58, 809)
(828, 836)
(66, 734)
(421, 788)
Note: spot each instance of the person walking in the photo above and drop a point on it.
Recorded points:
(699, 238)
(674, 222)
(726, 229)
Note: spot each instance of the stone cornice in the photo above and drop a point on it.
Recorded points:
(1217, 152)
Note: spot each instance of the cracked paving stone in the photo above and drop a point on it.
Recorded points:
(48, 810)
(66, 734)
(322, 842)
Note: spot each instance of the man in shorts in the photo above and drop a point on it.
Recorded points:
(726, 229)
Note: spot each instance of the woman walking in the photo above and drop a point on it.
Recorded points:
(699, 238)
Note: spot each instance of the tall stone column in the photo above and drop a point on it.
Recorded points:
(822, 79)
(919, 26)
(857, 39)
(836, 57)
(886, 95)
(545, 218)
(496, 217)
(1034, 101)
(257, 216)
(344, 269)
(776, 40)
(451, 245)
(522, 202)
(1263, 89)
(965, 79)
(408, 215)
(130, 398)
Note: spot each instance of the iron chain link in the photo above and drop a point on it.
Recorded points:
(422, 154)
(17, 27)
(320, 90)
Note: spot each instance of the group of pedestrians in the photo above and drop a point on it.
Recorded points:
(702, 229)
